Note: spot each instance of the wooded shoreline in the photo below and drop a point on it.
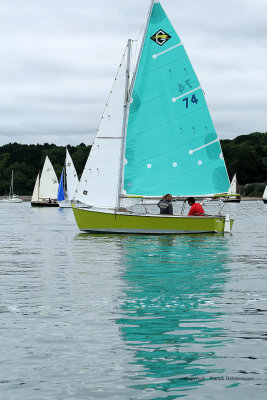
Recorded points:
(28, 198)
(245, 155)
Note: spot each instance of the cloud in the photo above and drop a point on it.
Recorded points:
(59, 59)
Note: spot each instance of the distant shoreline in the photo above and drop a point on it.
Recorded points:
(28, 198)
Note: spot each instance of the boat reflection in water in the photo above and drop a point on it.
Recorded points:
(169, 320)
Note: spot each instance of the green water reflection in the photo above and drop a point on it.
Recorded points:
(170, 320)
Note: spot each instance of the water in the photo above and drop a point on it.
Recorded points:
(131, 317)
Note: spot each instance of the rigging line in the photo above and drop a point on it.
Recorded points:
(166, 51)
(139, 34)
(141, 49)
(110, 92)
(202, 147)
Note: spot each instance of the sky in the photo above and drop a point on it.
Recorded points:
(59, 59)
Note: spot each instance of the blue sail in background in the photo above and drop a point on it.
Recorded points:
(171, 143)
(60, 193)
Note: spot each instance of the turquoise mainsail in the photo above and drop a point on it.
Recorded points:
(60, 193)
(171, 143)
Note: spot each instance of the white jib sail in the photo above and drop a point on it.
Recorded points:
(265, 193)
(71, 177)
(99, 182)
(233, 186)
(35, 193)
(48, 181)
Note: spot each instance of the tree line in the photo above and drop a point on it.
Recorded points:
(26, 160)
(244, 155)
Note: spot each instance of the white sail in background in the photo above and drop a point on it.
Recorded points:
(100, 179)
(234, 188)
(48, 182)
(35, 194)
(265, 193)
(71, 177)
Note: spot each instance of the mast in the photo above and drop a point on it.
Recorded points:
(125, 115)
(11, 185)
(38, 186)
(128, 94)
(142, 45)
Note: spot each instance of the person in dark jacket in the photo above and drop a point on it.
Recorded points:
(165, 204)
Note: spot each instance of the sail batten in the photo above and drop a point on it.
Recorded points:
(166, 51)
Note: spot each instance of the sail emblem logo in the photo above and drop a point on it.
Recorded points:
(160, 37)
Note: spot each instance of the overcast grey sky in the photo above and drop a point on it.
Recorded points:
(59, 59)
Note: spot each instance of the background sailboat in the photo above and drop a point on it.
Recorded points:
(155, 137)
(46, 186)
(12, 197)
(61, 191)
(264, 196)
(66, 194)
(233, 195)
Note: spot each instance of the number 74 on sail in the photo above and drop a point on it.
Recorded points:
(155, 137)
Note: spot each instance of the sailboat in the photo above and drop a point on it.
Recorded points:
(264, 196)
(12, 197)
(45, 188)
(61, 192)
(66, 195)
(233, 194)
(155, 137)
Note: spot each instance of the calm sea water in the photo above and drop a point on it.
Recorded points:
(131, 317)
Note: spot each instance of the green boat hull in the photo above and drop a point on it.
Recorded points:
(100, 221)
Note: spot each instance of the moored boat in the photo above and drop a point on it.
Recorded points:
(12, 197)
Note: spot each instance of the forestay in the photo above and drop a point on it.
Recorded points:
(171, 144)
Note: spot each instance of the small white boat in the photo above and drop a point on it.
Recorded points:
(233, 195)
(45, 189)
(264, 196)
(12, 197)
(70, 180)
(68, 184)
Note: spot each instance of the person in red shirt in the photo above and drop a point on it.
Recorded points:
(196, 208)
